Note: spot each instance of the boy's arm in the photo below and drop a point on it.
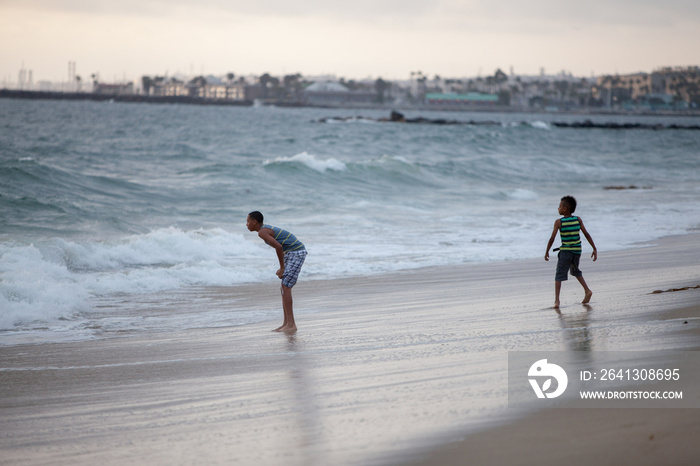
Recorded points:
(266, 236)
(594, 254)
(557, 226)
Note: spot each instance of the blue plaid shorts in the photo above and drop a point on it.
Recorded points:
(293, 260)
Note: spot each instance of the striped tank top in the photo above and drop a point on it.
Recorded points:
(569, 233)
(288, 241)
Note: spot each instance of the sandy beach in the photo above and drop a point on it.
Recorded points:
(406, 368)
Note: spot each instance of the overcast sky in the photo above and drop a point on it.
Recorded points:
(349, 38)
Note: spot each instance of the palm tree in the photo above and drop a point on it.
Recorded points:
(562, 88)
(146, 83)
(196, 86)
(381, 86)
(292, 85)
(500, 77)
(264, 81)
(275, 83)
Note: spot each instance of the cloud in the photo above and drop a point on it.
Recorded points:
(365, 10)
(351, 38)
(420, 15)
(547, 16)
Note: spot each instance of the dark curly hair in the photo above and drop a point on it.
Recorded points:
(570, 202)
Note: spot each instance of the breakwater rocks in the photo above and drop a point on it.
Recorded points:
(396, 117)
(620, 188)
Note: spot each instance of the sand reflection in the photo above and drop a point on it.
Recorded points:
(577, 334)
(305, 407)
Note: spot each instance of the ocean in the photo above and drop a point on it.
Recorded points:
(112, 209)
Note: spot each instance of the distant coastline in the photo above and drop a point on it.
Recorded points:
(136, 98)
(187, 100)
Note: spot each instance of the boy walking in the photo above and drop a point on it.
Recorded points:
(291, 254)
(570, 251)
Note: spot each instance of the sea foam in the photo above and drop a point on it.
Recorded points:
(310, 161)
(34, 287)
(521, 194)
(56, 279)
(540, 125)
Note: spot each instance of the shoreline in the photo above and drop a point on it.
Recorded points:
(384, 369)
(138, 98)
(582, 436)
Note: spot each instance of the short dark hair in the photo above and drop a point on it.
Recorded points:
(570, 202)
(257, 216)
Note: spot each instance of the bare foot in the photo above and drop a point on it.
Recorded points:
(556, 305)
(290, 329)
(279, 329)
(587, 298)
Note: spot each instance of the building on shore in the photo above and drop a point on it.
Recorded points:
(113, 89)
(171, 88)
(197, 88)
(452, 100)
(330, 93)
(680, 86)
(223, 92)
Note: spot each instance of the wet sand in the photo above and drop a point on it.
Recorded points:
(575, 436)
(389, 369)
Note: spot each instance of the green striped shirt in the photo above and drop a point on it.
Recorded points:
(569, 233)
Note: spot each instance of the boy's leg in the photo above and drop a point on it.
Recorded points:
(576, 272)
(292, 263)
(289, 325)
(564, 259)
(284, 311)
(589, 293)
(557, 290)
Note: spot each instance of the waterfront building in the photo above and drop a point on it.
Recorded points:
(333, 93)
(680, 84)
(470, 99)
(114, 89)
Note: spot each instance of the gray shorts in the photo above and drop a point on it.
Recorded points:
(568, 261)
(293, 260)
